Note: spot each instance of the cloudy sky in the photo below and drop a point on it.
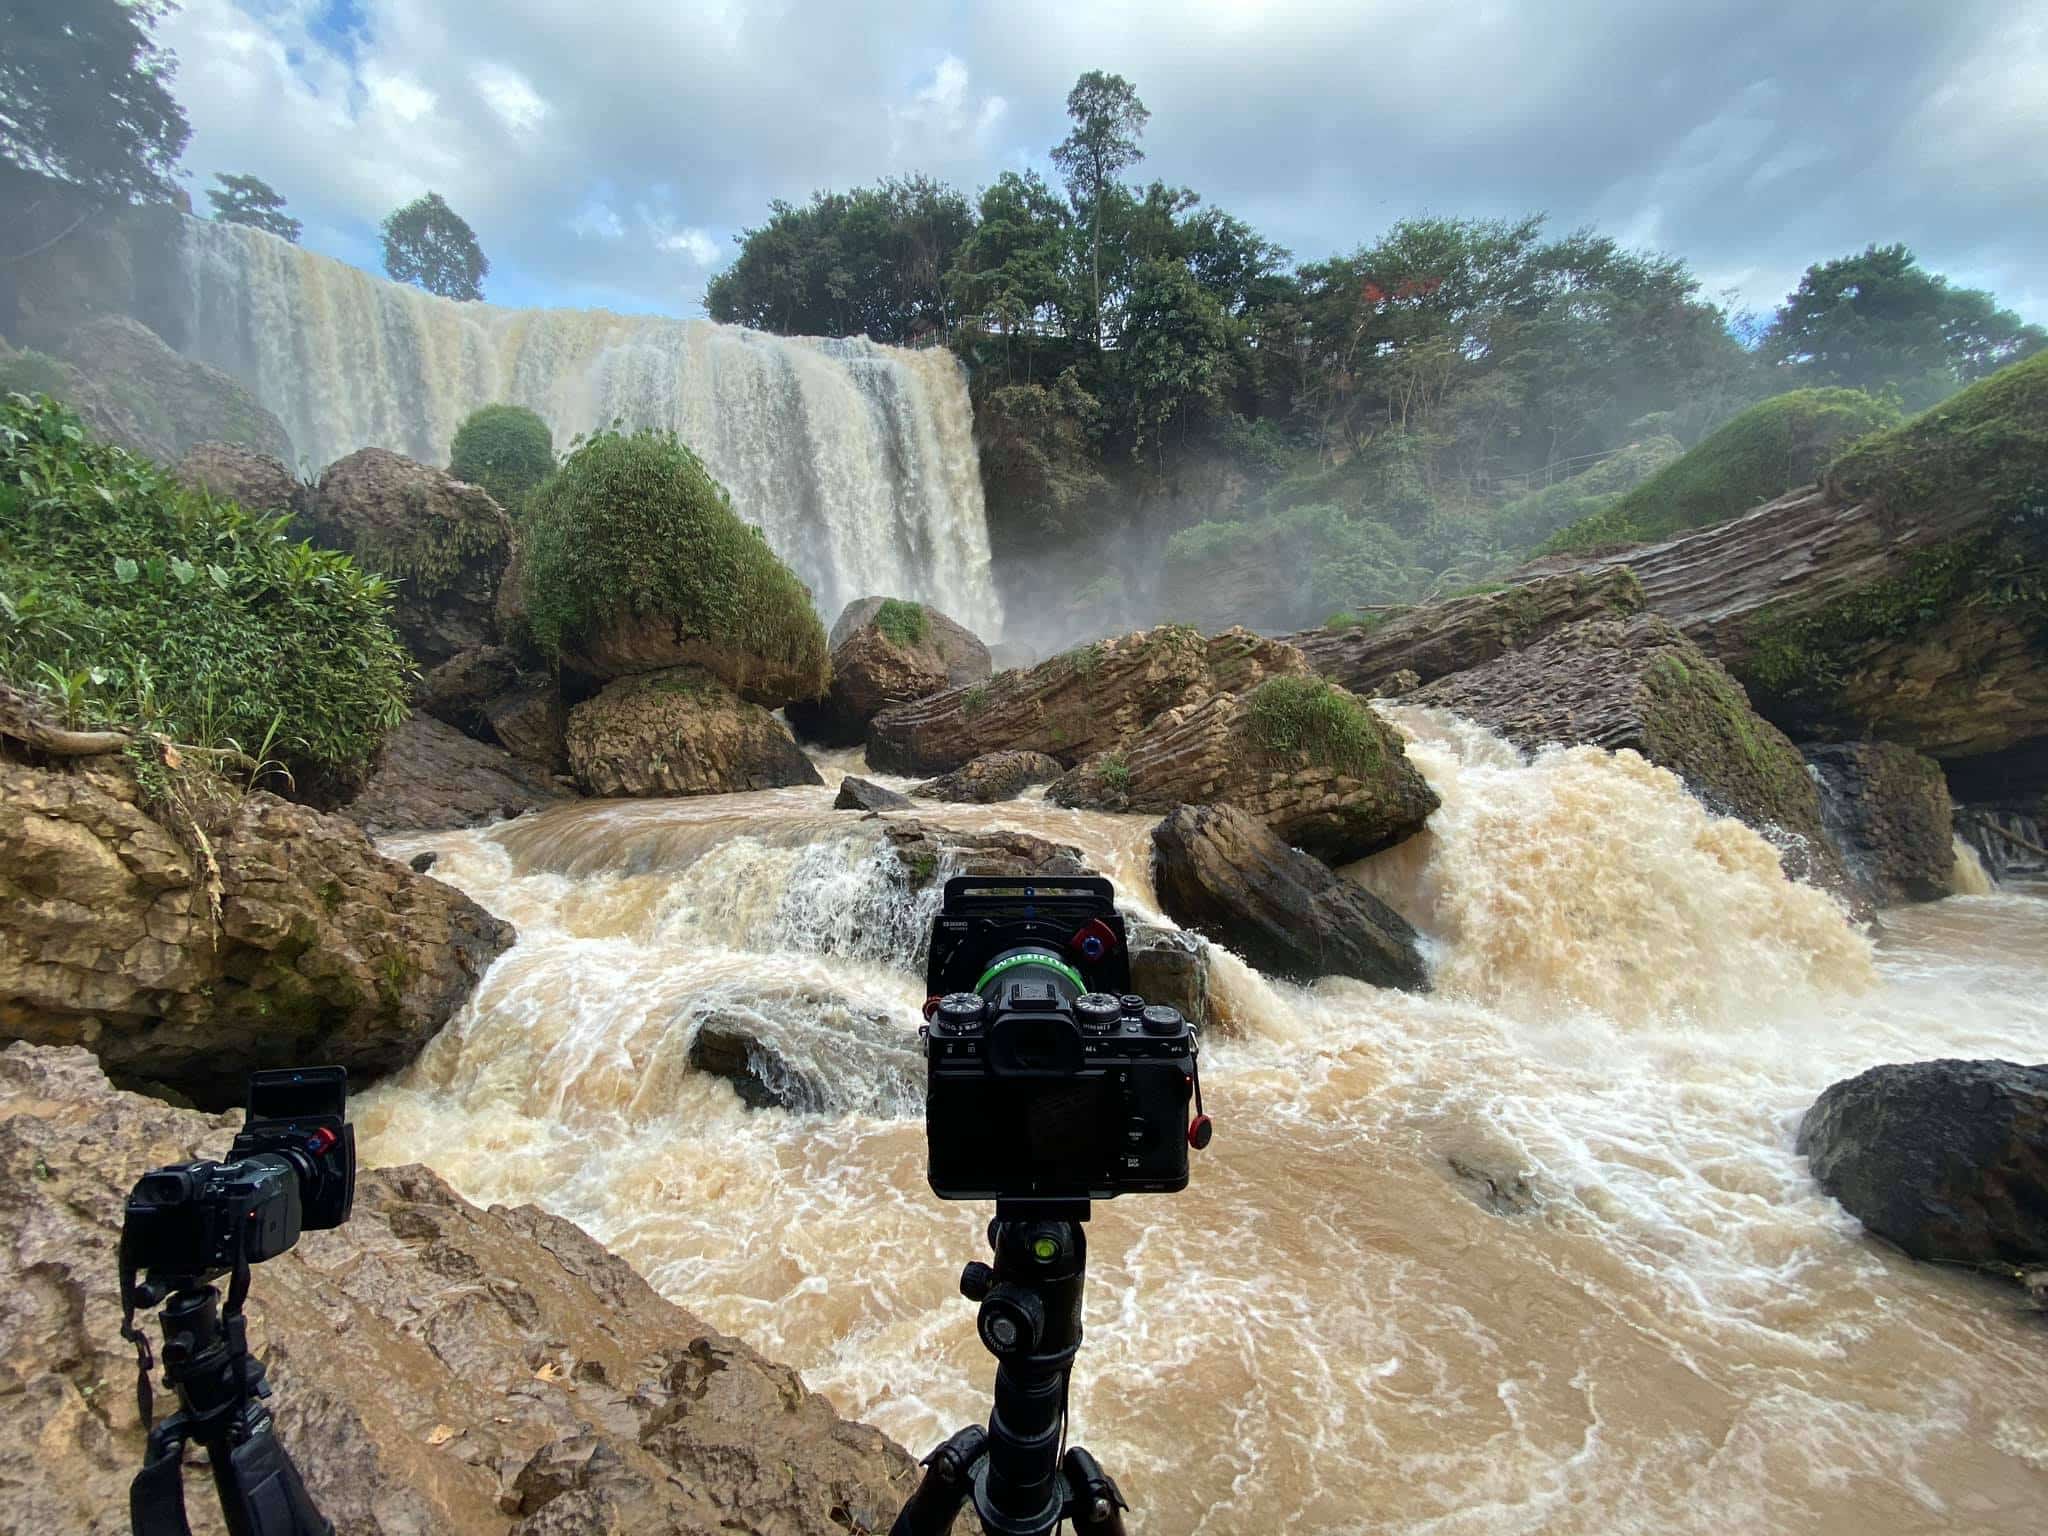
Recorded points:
(607, 151)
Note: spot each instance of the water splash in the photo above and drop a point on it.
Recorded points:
(1971, 878)
(856, 460)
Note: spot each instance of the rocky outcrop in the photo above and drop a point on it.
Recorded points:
(1170, 967)
(430, 777)
(809, 1051)
(1088, 700)
(1438, 639)
(1224, 875)
(926, 853)
(529, 721)
(634, 646)
(278, 935)
(680, 733)
(438, 1368)
(1948, 1159)
(1338, 807)
(457, 691)
(443, 542)
(1638, 684)
(173, 402)
(243, 475)
(991, 777)
(864, 795)
(1888, 810)
(887, 652)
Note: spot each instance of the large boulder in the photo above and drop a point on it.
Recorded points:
(1090, 699)
(1222, 874)
(1638, 684)
(1948, 1159)
(530, 721)
(857, 794)
(174, 402)
(1299, 754)
(809, 1051)
(680, 732)
(1888, 810)
(430, 777)
(1437, 639)
(992, 777)
(1170, 967)
(243, 475)
(437, 1367)
(443, 542)
(886, 651)
(926, 854)
(276, 935)
(457, 691)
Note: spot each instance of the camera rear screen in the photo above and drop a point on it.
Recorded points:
(1013, 1138)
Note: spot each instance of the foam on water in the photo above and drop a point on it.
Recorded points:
(1671, 1329)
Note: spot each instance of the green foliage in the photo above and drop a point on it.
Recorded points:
(1108, 122)
(429, 244)
(1529, 520)
(974, 700)
(906, 624)
(1038, 460)
(1369, 621)
(132, 601)
(1773, 446)
(33, 373)
(1880, 322)
(1310, 715)
(506, 449)
(1114, 770)
(251, 201)
(634, 525)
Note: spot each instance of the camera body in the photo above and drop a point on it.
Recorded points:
(1046, 1078)
(291, 1168)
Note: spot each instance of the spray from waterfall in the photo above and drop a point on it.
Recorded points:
(856, 460)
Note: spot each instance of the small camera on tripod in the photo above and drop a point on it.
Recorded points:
(291, 1169)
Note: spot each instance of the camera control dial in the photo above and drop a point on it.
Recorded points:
(962, 1011)
(1161, 1020)
(1097, 1012)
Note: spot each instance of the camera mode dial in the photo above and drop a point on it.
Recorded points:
(1097, 1011)
(962, 1011)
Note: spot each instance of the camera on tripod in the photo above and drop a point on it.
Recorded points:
(292, 1168)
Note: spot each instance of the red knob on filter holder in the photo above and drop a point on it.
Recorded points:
(1200, 1129)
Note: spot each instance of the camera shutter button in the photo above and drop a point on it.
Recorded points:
(1161, 1020)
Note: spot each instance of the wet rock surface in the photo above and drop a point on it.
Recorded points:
(240, 474)
(873, 669)
(680, 733)
(809, 1051)
(437, 1368)
(927, 853)
(1087, 700)
(431, 777)
(284, 938)
(444, 543)
(1202, 754)
(1888, 809)
(856, 794)
(992, 777)
(1170, 967)
(1947, 1159)
(1223, 874)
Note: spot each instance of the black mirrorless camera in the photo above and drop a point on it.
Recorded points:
(1046, 1078)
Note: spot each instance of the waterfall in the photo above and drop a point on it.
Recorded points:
(855, 459)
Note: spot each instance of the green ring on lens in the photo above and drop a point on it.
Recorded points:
(1050, 962)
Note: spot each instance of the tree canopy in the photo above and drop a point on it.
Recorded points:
(251, 201)
(427, 243)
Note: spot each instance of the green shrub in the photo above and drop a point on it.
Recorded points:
(905, 624)
(132, 601)
(1529, 520)
(1767, 450)
(634, 525)
(507, 450)
(1114, 770)
(1284, 715)
(33, 373)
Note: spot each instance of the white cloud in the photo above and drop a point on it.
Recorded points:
(595, 221)
(943, 121)
(506, 93)
(693, 243)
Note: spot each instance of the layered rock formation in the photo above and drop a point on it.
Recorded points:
(1948, 1159)
(1888, 810)
(992, 777)
(1639, 684)
(680, 732)
(437, 1368)
(1337, 801)
(188, 956)
(926, 853)
(1224, 875)
(431, 777)
(1085, 701)
(887, 652)
(444, 543)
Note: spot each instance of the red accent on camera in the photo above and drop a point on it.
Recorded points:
(931, 1006)
(1200, 1129)
(322, 1139)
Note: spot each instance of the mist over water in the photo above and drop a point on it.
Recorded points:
(1330, 1331)
(856, 460)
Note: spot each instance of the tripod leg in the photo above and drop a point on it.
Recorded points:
(261, 1493)
(1094, 1502)
(156, 1499)
(947, 1482)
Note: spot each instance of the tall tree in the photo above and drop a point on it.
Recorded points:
(426, 242)
(1880, 321)
(85, 102)
(1108, 121)
(251, 201)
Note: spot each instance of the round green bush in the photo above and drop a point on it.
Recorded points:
(129, 600)
(634, 525)
(506, 449)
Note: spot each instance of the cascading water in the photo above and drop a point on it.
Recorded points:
(856, 460)
(1669, 1330)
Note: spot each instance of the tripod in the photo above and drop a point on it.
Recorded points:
(220, 1388)
(1014, 1471)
